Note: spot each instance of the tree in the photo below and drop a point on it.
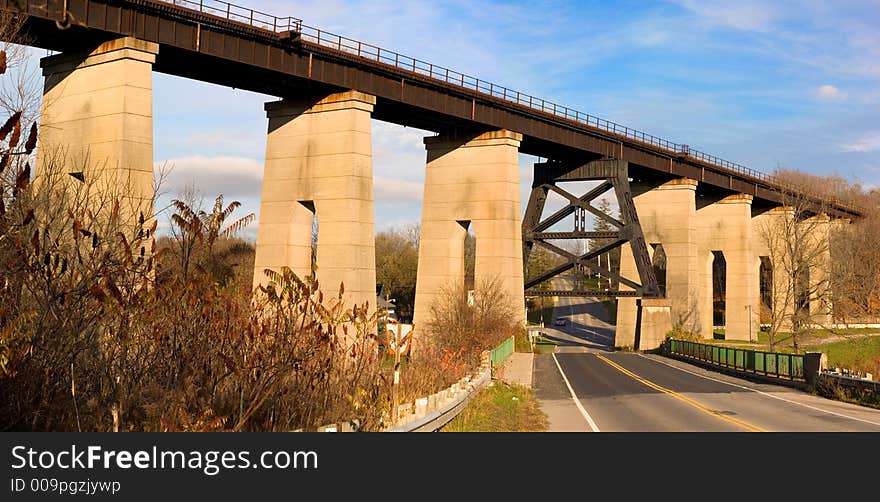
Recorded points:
(611, 259)
(540, 261)
(465, 327)
(852, 287)
(470, 259)
(397, 261)
(856, 267)
(796, 236)
(196, 233)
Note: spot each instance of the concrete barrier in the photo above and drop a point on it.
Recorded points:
(430, 413)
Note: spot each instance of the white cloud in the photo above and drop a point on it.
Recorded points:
(812, 42)
(653, 38)
(867, 143)
(234, 177)
(830, 93)
(227, 138)
(397, 224)
(385, 189)
(741, 15)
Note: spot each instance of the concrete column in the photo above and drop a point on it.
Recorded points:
(667, 216)
(97, 119)
(770, 230)
(726, 226)
(475, 180)
(319, 162)
(810, 237)
(818, 229)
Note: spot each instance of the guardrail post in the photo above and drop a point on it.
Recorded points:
(814, 363)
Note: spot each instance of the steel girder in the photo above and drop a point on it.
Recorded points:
(614, 175)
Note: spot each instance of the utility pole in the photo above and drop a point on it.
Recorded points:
(394, 390)
(750, 321)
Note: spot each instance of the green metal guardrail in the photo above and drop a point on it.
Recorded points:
(772, 364)
(501, 352)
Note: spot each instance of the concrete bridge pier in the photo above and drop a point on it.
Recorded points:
(319, 168)
(97, 122)
(780, 233)
(667, 214)
(470, 182)
(820, 275)
(819, 231)
(725, 233)
(769, 247)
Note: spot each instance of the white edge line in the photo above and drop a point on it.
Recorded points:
(574, 398)
(761, 392)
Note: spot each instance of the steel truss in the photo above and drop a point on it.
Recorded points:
(614, 175)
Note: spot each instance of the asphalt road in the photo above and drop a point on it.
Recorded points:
(635, 392)
(585, 386)
(587, 323)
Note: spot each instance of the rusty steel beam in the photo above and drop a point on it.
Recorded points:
(574, 235)
(614, 175)
(589, 293)
(281, 63)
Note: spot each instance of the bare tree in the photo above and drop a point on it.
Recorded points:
(611, 259)
(856, 264)
(466, 327)
(856, 268)
(90, 340)
(796, 237)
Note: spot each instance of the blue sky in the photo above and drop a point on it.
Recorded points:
(764, 84)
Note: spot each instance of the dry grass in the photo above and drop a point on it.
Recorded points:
(500, 408)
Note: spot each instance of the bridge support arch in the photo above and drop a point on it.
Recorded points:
(319, 164)
(471, 179)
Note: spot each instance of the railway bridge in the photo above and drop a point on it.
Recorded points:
(682, 211)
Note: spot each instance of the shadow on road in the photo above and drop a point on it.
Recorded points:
(586, 325)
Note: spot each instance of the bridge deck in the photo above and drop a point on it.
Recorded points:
(282, 57)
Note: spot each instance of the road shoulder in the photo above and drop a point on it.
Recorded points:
(555, 399)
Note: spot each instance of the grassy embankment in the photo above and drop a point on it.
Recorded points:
(500, 408)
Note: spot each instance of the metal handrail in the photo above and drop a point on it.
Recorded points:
(269, 22)
(771, 364)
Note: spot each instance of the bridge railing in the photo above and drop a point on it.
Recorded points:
(239, 14)
(371, 52)
(500, 353)
(769, 364)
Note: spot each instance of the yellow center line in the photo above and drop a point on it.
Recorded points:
(682, 398)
